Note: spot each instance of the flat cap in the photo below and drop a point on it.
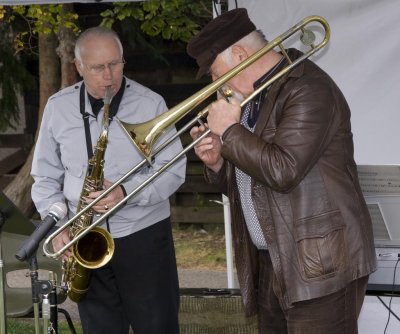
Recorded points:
(217, 36)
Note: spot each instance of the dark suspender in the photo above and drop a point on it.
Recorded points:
(85, 117)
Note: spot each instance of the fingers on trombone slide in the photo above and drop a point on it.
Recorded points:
(202, 124)
(200, 130)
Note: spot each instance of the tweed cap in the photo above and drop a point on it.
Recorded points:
(217, 36)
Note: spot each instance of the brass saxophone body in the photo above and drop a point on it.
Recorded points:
(96, 248)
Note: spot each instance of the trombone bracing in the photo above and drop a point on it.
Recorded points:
(145, 135)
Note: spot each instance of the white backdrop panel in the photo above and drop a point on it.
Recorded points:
(362, 57)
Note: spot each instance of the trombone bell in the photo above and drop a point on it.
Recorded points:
(141, 135)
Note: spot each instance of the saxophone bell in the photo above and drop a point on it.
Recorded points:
(95, 249)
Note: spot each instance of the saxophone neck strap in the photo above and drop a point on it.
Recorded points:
(85, 115)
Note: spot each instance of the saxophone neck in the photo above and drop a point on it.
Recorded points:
(107, 102)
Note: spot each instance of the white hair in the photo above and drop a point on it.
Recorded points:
(253, 41)
(96, 32)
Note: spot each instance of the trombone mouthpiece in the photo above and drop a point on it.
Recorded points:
(226, 93)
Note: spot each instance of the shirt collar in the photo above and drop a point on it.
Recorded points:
(270, 73)
(96, 104)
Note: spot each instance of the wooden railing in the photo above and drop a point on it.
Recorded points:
(10, 162)
(195, 202)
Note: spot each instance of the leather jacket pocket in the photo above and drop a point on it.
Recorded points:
(321, 245)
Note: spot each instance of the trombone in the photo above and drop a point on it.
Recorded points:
(145, 135)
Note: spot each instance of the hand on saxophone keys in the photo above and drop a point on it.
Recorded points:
(108, 202)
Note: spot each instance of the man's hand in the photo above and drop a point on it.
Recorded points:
(208, 149)
(60, 241)
(106, 203)
(223, 114)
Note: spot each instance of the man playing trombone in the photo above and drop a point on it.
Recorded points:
(301, 229)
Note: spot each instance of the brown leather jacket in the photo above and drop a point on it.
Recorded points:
(305, 190)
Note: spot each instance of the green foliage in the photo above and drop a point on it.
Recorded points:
(13, 76)
(26, 326)
(20, 327)
(170, 19)
(19, 27)
(38, 19)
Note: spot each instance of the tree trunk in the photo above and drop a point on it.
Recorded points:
(65, 51)
(49, 71)
(19, 190)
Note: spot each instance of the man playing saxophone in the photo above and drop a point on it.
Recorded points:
(138, 287)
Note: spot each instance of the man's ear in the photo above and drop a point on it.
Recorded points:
(78, 66)
(239, 53)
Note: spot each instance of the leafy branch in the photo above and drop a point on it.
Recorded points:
(38, 19)
(170, 19)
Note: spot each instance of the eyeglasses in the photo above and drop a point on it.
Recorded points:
(100, 68)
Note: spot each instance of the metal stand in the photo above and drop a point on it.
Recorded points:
(48, 290)
(3, 311)
(69, 320)
(44, 288)
(53, 304)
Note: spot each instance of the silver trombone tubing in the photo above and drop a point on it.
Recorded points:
(144, 162)
(277, 42)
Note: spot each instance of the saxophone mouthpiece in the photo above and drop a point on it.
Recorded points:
(107, 95)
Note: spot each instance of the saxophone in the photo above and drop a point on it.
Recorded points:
(96, 248)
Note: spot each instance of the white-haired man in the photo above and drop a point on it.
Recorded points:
(139, 286)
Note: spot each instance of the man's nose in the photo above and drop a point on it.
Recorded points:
(107, 72)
